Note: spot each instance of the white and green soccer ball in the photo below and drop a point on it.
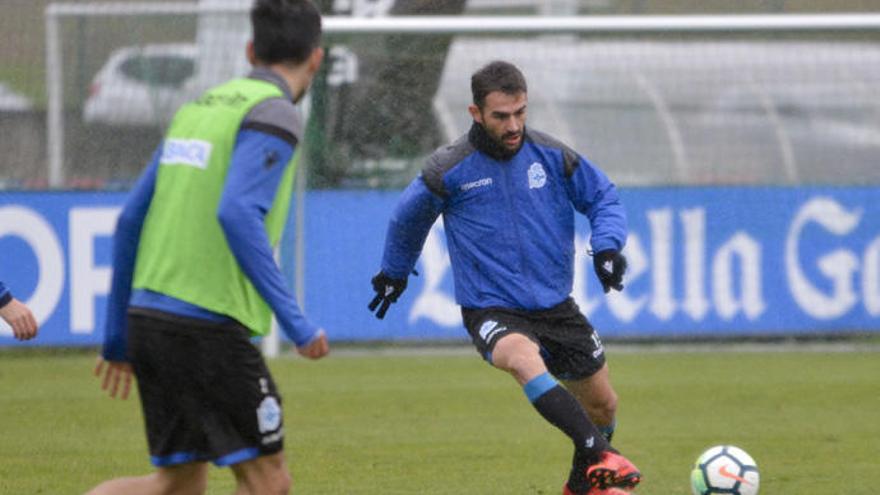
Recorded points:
(725, 469)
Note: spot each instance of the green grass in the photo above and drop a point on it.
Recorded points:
(452, 425)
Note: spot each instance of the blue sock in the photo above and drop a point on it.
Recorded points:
(563, 411)
(608, 430)
(539, 385)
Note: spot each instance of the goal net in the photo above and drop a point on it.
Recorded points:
(653, 101)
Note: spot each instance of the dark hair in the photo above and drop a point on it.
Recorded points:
(497, 76)
(285, 30)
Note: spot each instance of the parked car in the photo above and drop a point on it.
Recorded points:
(10, 101)
(142, 85)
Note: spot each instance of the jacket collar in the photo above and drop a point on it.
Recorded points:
(481, 140)
(266, 74)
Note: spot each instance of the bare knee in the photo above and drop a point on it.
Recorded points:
(524, 366)
(281, 482)
(277, 476)
(274, 481)
(519, 356)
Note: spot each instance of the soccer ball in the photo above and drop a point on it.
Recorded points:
(725, 469)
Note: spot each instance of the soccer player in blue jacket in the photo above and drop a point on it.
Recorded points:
(508, 194)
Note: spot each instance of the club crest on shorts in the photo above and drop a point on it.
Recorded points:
(489, 328)
(269, 414)
(537, 176)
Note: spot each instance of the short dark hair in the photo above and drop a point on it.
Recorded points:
(285, 31)
(497, 76)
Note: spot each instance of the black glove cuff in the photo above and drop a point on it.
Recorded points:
(6, 299)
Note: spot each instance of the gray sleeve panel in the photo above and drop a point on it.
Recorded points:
(570, 158)
(441, 161)
(279, 113)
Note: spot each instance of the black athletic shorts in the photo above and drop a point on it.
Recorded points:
(205, 390)
(569, 345)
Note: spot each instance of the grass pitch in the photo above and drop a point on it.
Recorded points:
(450, 424)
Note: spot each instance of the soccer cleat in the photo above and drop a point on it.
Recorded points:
(609, 491)
(596, 491)
(613, 471)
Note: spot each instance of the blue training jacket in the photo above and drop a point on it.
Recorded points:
(5, 295)
(509, 220)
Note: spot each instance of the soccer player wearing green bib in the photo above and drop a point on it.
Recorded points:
(194, 276)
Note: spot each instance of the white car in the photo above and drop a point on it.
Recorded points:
(10, 101)
(142, 85)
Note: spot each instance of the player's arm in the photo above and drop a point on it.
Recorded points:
(17, 315)
(411, 221)
(595, 196)
(113, 363)
(125, 245)
(258, 163)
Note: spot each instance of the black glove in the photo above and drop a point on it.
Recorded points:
(610, 266)
(387, 291)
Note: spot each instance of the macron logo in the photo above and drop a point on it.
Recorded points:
(487, 181)
(191, 152)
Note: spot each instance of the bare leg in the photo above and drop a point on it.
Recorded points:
(519, 356)
(184, 479)
(597, 396)
(264, 475)
(240, 483)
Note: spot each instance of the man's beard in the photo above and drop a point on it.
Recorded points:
(494, 147)
(503, 140)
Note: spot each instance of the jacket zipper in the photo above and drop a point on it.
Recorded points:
(509, 191)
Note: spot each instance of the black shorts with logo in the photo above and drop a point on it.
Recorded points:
(205, 390)
(569, 345)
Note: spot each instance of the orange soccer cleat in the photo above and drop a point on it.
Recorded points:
(613, 471)
(596, 491)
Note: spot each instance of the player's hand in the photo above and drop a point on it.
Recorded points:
(24, 325)
(610, 266)
(388, 290)
(116, 374)
(317, 348)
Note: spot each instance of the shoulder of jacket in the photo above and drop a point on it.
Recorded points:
(442, 160)
(570, 157)
(276, 115)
